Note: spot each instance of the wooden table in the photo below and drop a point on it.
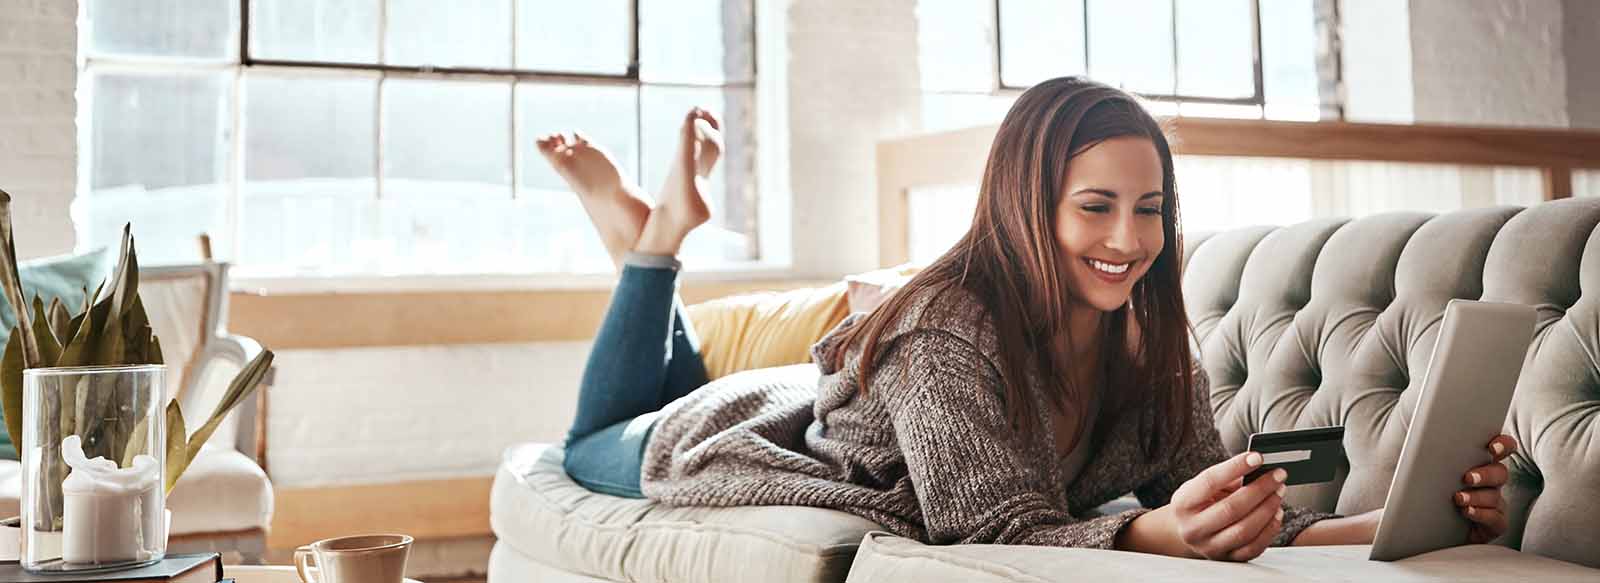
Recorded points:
(267, 574)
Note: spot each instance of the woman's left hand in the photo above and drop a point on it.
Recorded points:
(1480, 501)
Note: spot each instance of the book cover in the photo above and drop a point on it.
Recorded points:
(185, 568)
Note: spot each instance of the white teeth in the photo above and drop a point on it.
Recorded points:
(1109, 268)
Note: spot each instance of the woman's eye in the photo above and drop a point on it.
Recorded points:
(1095, 208)
(1150, 210)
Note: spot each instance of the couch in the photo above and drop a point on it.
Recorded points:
(1326, 322)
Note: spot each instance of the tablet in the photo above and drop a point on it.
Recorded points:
(1466, 392)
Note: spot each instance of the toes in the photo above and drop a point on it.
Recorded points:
(561, 140)
(578, 139)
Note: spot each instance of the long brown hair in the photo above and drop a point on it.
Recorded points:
(1010, 261)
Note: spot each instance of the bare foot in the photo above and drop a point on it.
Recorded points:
(617, 208)
(683, 204)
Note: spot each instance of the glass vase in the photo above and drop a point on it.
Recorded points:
(93, 460)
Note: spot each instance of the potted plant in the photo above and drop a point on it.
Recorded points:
(94, 383)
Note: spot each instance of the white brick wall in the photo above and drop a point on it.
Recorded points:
(368, 415)
(38, 77)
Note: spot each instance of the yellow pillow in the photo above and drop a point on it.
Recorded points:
(765, 329)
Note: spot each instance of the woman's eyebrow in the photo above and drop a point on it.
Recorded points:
(1112, 194)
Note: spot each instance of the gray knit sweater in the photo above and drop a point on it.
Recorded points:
(928, 453)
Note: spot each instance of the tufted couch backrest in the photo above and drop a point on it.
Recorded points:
(1333, 322)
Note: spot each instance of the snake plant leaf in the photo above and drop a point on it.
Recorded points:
(154, 357)
(77, 351)
(49, 347)
(12, 283)
(60, 321)
(11, 386)
(243, 384)
(177, 451)
(125, 280)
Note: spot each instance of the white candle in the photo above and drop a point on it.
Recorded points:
(109, 513)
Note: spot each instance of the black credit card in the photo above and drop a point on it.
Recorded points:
(1310, 456)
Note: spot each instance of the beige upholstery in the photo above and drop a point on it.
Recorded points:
(222, 491)
(541, 514)
(884, 557)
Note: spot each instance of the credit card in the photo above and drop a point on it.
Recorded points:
(1311, 456)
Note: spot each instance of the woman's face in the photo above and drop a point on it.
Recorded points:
(1108, 220)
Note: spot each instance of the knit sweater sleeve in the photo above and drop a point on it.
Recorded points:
(1205, 449)
(974, 480)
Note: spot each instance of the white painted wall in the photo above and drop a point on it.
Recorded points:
(1580, 34)
(1489, 63)
(38, 166)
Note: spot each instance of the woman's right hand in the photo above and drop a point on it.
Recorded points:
(1219, 517)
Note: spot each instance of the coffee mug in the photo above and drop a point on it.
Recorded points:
(366, 558)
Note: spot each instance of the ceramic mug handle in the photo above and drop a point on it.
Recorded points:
(302, 557)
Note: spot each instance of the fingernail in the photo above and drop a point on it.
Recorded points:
(1281, 490)
(1461, 497)
(1475, 477)
(1254, 459)
(1498, 448)
(1473, 510)
(1280, 474)
(1279, 517)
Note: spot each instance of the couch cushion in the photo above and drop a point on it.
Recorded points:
(542, 514)
(222, 491)
(506, 563)
(885, 557)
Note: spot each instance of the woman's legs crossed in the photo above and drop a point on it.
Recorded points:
(645, 354)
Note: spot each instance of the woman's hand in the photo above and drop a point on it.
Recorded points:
(1219, 517)
(1480, 501)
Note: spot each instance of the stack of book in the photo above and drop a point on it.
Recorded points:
(188, 568)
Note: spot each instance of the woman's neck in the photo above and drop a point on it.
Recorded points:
(1083, 333)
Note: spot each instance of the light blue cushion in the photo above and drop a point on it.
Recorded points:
(64, 277)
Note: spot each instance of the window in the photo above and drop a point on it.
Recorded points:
(395, 137)
(1221, 58)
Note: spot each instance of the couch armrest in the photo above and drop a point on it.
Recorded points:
(237, 350)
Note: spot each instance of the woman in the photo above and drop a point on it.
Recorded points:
(1035, 371)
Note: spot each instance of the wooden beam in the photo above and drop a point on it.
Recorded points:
(341, 320)
(1477, 146)
(1557, 182)
(425, 509)
(942, 159)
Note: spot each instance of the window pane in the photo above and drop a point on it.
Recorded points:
(955, 50)
(1214, 48)
(158, 158)
(461, 33)
(1130, 44)
(697, 41)
(1039, 40)
(608, 115)
(163, 28)
(730, 236)
(1289, 56)
(309, 155)
(446, 137)
(341, 31)
(578, 37)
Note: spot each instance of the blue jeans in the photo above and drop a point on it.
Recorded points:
(644, 357)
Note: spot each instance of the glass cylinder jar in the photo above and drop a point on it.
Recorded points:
(93, 466)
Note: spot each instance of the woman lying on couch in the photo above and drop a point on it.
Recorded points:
(1038, 369)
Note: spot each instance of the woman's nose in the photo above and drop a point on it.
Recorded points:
(1123, 237)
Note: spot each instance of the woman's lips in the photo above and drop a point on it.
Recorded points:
(1112, 278)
